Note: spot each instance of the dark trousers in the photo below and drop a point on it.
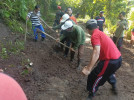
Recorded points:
(56, 22)
(67, 41)
(101, 29)
(119, 42)
(103, 72)
(80, 52)
(67, 44)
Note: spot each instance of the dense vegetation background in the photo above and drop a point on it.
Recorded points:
(13, 12)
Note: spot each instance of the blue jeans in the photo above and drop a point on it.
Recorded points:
(36, 34)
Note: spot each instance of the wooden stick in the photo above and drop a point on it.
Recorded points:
(38, 30)
(47, 25)
(44, 22)
(26, 32)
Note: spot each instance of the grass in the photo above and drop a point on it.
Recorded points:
(84, 20)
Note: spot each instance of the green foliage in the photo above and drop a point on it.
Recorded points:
(15, 25)
(16, 47)
(113, 8)
(73, 3)
(11, 48)
(111, 28)
(7, 9)
(14, 11)
(53, 4)
(3, 53)
(83, 20)
(22, 9)
(25, 72)
(132, 16)
(49, 19)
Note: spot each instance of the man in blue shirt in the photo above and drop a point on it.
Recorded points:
(100, 21)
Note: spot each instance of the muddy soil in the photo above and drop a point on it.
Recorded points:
(54, 77)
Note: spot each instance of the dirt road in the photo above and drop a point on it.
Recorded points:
(54, 77)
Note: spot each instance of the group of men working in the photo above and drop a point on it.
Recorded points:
(72, 34)
(104, 48)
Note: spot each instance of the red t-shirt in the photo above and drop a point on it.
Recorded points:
(108, 49)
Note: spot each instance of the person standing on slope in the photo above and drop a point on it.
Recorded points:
(36, 23)
(109, 58)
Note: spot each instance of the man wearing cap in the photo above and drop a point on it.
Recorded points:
(64, 18)
(77, 37)
(100, 21)
(58, 16)
(109, 58)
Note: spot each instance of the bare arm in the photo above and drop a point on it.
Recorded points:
(95, 56)
(28, 15)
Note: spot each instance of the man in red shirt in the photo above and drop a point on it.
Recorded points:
(109, 58)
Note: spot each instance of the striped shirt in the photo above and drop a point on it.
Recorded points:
(34, 18)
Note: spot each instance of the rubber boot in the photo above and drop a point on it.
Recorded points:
(67, 49)
(114, 89)
(79, 66)
(72, 56)
(66, 52)
(61, 46)
(90, 96)
(42, 38)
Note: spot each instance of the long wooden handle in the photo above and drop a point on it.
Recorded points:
(26, 32)
(38, 30)
(47, 25)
